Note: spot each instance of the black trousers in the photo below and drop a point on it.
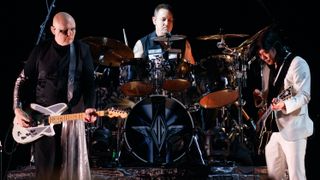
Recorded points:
(48, 156)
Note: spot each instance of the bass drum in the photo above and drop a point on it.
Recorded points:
(158, 130)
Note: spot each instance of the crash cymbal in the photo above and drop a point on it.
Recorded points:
(221, 36)
(107, 51)
(169, 38)
(253, 38)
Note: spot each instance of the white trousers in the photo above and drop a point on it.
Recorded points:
(282, 155)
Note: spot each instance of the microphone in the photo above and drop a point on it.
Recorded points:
(168, 34)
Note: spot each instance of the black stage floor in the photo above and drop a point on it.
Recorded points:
(163, 173)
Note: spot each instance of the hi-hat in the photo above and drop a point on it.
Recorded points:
(169, 38)
(108, 52)
(221, 36)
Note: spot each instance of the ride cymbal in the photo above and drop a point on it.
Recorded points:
(107, 51)
(221, 36)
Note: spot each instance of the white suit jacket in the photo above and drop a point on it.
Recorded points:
(294, 123)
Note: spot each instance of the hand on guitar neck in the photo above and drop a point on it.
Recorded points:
(277, 104)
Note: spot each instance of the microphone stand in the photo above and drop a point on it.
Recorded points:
(43, 25)
(0, 161)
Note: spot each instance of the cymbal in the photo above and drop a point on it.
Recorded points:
(107, 51)
(221, 36)
(253, 38)
(170, 38)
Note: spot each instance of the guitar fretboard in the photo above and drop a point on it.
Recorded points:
(67, 117)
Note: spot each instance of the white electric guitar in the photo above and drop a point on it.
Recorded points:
(26, 135)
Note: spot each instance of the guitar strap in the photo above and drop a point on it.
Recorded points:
(276, 82)
(72, 70)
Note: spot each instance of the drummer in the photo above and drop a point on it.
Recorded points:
(157, 41)
(161, 45)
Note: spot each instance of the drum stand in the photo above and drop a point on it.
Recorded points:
(116, 154)
(241, 73)
(195, 138)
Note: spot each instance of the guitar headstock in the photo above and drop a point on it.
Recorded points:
(113, 112)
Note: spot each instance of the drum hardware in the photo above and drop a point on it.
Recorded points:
(168, 38)
(193, 107)
(117, 154)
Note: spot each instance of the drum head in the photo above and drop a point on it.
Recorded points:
(158, 130)
(219, 98)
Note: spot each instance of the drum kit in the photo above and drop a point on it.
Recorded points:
(160, 128)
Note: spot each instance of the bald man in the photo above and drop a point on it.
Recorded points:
(58, 70)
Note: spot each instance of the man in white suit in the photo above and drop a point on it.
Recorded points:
(286, 149)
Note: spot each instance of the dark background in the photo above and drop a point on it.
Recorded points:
(21, 22)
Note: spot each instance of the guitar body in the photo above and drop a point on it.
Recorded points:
(26, 135)
(266, 123)
(265, 132)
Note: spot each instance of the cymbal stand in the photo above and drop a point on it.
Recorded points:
(195, 138)
(157, 73)
(240, 68)
(116, 155)
(241, 74)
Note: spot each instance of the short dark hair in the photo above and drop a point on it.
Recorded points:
(163, 6)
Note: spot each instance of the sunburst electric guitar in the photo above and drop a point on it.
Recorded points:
(265, 121)
(53, 116)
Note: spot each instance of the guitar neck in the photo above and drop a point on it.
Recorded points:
(265, 115)
(68, 117)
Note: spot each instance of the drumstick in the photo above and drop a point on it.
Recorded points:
(125, 37)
